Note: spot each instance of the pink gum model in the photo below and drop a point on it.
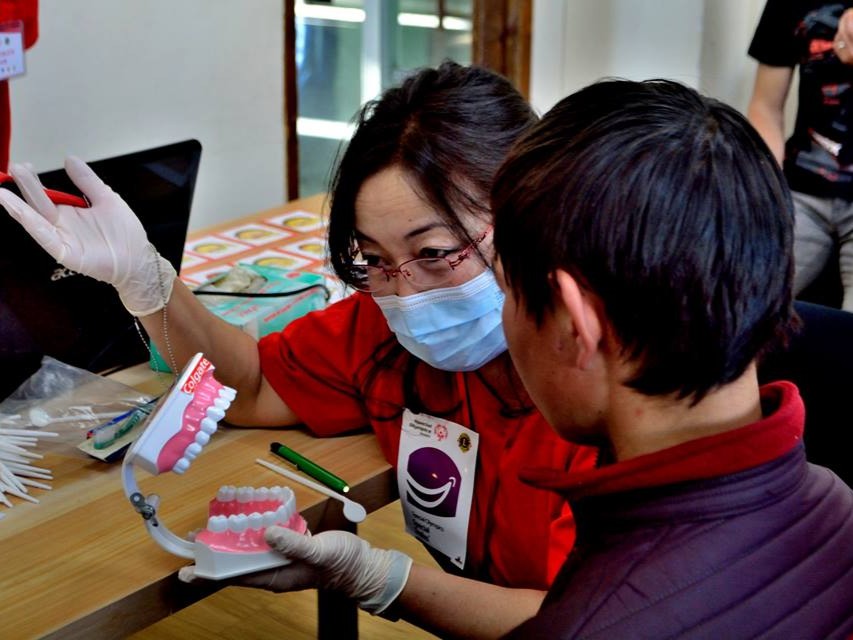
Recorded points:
(182, 423)
(239, 518)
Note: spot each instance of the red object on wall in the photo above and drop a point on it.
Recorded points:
(26, 10)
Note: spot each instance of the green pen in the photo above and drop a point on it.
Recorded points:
(311, 468)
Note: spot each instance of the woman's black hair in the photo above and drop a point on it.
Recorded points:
(449, 129)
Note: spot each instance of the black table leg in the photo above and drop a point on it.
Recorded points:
(337, 615)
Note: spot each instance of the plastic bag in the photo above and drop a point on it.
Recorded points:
(68, 401)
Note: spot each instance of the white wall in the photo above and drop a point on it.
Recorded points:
(701, 43)
(108, 77)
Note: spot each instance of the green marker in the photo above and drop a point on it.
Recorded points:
(311, 468)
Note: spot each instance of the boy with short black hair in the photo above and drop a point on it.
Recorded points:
(644, 234)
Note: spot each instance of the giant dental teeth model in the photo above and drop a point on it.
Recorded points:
(177, 430)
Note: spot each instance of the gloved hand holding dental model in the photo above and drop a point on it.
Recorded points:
(334, 560)
(105, 241)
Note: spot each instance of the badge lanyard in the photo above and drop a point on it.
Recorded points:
(436, 467)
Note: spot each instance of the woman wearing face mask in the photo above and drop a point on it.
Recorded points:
(417, 352)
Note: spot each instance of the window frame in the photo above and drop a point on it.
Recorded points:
(501, 32)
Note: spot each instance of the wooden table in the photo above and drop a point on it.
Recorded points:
(81, 565)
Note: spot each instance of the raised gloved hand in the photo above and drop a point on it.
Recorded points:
(334, 560)
(105, 241)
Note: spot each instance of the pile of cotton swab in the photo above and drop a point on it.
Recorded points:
(17, 474)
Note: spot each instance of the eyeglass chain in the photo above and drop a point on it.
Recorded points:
(166, 339)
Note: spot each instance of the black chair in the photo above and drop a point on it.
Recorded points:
(826, 289)
(819, 360)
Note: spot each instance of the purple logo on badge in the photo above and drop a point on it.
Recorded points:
(433, 482)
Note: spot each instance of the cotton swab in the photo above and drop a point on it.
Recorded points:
(41, 418)
(28, 433)
(38, 485)
(16, 472)
(20, 494)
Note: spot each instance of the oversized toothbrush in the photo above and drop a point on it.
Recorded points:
(177, 430)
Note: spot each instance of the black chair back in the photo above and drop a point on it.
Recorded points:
(819, 360)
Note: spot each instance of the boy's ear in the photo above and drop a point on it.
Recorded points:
(586, 324)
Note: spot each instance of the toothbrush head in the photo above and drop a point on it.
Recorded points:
(183, 420)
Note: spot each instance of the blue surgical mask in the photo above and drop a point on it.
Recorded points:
(453, 329)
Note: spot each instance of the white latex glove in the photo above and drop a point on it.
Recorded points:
(105, 241)
(333, 560)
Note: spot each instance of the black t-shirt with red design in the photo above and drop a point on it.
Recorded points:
(819, 153)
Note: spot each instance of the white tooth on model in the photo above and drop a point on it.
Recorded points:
(262, 494)
(256, 521)
(225, 494)
(269, 518)
(208, 425)
(288, 500)
(202, 438)
(238, 523)
(181, 465)
(281, 516)
(193, 450)
(245, 494)
(275, 494)
(217, 524)
(215, 413)
(222, 403)
(228, 393)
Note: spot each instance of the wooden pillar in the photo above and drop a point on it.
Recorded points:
(501, 39)
(291, 103)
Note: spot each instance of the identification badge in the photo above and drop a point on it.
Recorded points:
(11, 49)
(435, 476)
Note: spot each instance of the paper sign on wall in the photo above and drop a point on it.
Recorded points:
(11, 49)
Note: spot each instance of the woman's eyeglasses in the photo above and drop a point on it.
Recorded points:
(421, 273)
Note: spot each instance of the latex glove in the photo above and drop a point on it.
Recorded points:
(105, 241)
(333, 560)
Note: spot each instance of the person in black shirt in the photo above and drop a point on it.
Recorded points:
(817, 38)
